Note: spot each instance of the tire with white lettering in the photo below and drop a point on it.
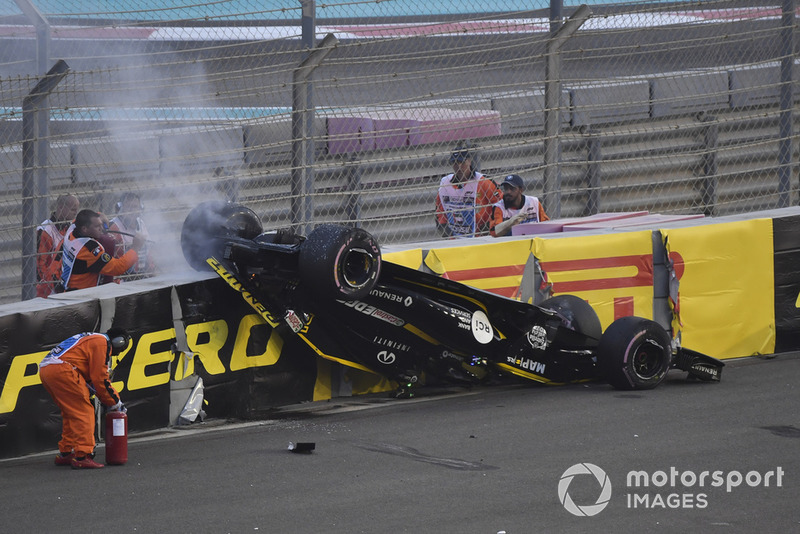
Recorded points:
(339, 262)
(634, 353)
(209, 223)
(576, 314)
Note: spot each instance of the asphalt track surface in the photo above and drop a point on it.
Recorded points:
(484, 460)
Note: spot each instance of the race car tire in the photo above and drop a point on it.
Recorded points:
(339, 262)
(209, 223)
(577, 313)
(634, 353)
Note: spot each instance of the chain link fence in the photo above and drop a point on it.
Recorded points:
(347, 111)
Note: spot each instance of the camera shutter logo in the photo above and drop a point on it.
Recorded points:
(602, 500)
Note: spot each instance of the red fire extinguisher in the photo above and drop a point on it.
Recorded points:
(116, 438)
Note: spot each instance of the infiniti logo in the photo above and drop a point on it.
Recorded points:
(386, 357)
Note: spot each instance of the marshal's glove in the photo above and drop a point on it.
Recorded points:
(118, 407)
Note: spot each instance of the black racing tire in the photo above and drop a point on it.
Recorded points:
(338, 262)
(578, 314)
(209, 224)
(635, 353)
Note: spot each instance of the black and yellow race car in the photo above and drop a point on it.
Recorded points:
(333, 289)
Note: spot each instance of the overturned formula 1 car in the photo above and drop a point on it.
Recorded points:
(333, 290)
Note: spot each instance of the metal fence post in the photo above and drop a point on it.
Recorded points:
(31, 194)
(302, 188)
(785, 142)
(552, 103)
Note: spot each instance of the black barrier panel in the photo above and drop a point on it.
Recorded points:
(146, 390)
(34, 426)
(786, 233)
(29, 420)
(290, 383)
(144, 312)
(786, 245)
(260, 390)
(247, 368)
(241, 392)
(43, 329)
(202, 303)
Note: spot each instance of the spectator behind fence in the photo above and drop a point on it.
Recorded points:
(515, 208)
(49, 236)
(84, 258)
(123, 227)
(465, 197)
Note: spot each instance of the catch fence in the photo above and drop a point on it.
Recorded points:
(347, 112)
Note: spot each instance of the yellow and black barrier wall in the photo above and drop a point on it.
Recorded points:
(728, 287)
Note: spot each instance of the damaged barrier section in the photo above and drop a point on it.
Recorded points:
(727, 287)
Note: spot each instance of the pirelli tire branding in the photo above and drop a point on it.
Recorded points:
(234, 282)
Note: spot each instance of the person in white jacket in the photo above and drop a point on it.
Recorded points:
(515, 208)
(123, 227)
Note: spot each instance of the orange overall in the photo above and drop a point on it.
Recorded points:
(65, 373)
(48, 259)
(84, 260)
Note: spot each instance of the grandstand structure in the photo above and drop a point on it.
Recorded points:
(670, 107)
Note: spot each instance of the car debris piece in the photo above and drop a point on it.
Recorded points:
(301, 446)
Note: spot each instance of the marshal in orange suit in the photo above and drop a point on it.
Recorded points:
(70, 372)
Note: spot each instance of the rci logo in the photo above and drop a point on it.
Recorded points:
(602, 500)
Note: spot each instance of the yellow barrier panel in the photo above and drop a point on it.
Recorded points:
(726, 287)
(612, 272)
(495, 267)
(407, 258)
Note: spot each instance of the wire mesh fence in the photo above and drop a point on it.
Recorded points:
(663, 106)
